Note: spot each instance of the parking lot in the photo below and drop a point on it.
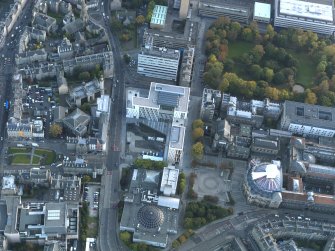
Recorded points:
(39, 103)
(91, 196)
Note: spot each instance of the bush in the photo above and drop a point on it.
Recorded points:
(175, 244)
(181, 183)
(149, 164)
(211, 199)
(203, 213)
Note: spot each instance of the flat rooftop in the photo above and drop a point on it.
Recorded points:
(310, 115)
(307, 9)
(162, 94)
(262, 10)
(159, 15)
(161, 52)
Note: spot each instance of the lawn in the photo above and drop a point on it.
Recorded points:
(36, 160)
(306, 68)
(21, 159)
(49, 155)
(238, 48)
(12, 150)
(92, 230)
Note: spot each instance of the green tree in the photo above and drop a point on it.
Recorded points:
(270, 32)
(150, 9)
(116, 24)
(56, 130)
(247, 34)
(197, 133)
(197, 123)
(268, 74)
(279, 78)
(125, 237)
(198, 150)
(256, 72)
(258, 52)
(86, 179)
(126, 58)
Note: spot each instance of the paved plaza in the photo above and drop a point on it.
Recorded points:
(212, 182)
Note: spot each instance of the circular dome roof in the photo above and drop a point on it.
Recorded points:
(150, 216)
(267, 177)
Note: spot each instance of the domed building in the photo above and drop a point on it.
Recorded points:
(150, 217)
(263, 184)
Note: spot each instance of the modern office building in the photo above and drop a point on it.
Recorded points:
(262, 12)
(306, 119)
(163, 103)
(158, 17)
(314, 15)
(239, 12)
(158, 62)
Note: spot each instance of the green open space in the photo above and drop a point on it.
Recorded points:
(12, 150)
(22, 156)
(49, 156)
(306, 68)
(36, 160)
(92, 230)
(237, 48)
(20, 159)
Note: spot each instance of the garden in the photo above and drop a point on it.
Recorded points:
(247, 64)
(23, 156)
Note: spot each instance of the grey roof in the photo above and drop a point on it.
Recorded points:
(161, 52)
(3, 215)
(77, 120)
(266, 143)
(29, 219)
(59, 112)
(168, 99)
(55, 218)
(150, 216)
(175, 133)
(309, 115)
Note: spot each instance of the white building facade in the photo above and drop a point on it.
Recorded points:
(158, 63)
(306, 15)
(164, 103)
(305, 119)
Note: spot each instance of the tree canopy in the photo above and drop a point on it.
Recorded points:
(270, 68)
(56, 130)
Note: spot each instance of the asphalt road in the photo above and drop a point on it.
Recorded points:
(7, 65)
(109, 229)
